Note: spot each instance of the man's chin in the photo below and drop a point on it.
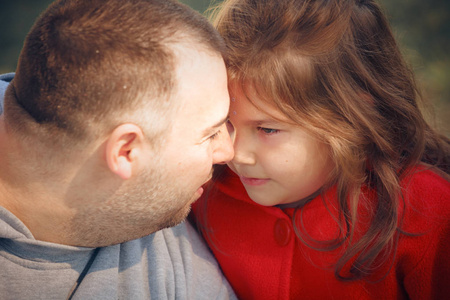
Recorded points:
(177, 218)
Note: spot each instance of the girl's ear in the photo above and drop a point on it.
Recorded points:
(123, 147)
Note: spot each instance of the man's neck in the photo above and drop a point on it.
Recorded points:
(40, 211)
(29, 192)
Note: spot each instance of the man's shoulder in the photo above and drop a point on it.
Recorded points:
(178, 241)
(5, 79)
(177, 259)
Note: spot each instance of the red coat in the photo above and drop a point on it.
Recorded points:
(263, 259)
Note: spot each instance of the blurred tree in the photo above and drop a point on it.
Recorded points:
(16, 19)
(199, 5)
(423, 31)
(421, 27)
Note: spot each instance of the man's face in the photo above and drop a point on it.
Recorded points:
(199, 137)
(171, 176)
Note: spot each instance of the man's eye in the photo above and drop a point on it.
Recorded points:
(212, 137)
(268, 130)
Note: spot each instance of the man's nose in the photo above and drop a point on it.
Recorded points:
(224, 151)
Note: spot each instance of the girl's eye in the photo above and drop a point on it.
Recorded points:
(268, 130)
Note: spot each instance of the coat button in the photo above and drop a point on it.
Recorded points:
(282, 232)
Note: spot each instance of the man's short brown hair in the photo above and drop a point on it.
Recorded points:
(85, 62)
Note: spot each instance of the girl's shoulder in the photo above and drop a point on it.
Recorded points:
(424, 180)
(426, 195)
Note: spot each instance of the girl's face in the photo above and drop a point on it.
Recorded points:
(278, 161)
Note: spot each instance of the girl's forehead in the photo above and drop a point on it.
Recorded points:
(253, 106)
(249, 92)
(245, 99)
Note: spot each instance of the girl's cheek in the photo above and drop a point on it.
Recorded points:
(272, 139)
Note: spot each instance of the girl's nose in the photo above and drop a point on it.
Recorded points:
(243, 151)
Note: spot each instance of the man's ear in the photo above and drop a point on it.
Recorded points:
(122, 148)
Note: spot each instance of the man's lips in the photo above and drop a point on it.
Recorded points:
(253, 181)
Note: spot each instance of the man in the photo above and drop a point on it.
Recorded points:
(110, 126)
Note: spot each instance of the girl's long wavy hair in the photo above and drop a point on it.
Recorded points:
(334, 67)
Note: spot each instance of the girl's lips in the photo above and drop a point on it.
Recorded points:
(253, 181)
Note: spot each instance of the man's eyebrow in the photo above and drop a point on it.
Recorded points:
(216, 125)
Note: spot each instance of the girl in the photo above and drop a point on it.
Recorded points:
(339, 188)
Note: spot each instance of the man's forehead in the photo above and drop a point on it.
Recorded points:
(200, 92)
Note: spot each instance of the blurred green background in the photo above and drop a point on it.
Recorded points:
(422, 28)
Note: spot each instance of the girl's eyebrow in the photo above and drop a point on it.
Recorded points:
(265, 121)
(268, 121)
